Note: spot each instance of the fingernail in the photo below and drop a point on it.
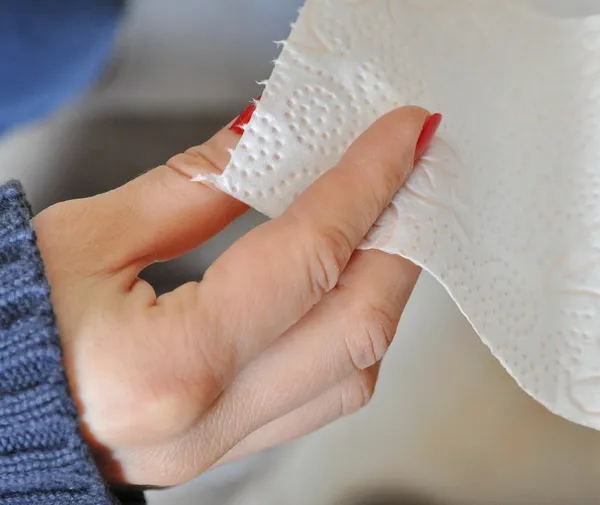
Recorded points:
(244, 118)
(430, 127)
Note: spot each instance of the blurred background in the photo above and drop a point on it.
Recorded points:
(447, 424)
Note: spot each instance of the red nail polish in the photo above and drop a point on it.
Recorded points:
(430, 127)
(244, 118)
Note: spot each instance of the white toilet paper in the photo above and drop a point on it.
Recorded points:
(505, 211)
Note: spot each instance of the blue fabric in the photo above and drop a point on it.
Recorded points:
(50, 51)
(43, 458)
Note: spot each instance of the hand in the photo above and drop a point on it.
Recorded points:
(283, 334)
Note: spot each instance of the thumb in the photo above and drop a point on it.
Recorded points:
(161, 214)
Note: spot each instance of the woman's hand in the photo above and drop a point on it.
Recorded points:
(283, 334)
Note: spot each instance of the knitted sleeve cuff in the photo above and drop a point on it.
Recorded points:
(43, 458)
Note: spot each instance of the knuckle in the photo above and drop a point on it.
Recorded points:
(181, 163)
(166, 391)
(158, 416)
(328, 254)
(391, 183)
(381, 190)
(146, 410)
(194, 160)
(357, 393)
(378, 186)
(203, 366)
(208, 157)
(376, 328)
(154, 414)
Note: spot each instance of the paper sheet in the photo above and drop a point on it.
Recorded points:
(504, 209)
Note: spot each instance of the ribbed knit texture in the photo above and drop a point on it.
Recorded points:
(43, 459)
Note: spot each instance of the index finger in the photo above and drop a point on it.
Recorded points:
(273, 276)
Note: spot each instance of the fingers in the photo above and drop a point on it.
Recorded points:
(196, 451)
(272, 277)
(161, 214)
(343, 399)
(346, 333)
(349, 331)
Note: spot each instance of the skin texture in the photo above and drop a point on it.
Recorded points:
(283, 335)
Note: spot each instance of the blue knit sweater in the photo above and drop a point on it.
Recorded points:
(43, 458)
(51, 51)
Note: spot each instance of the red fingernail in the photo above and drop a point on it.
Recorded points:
(430, 127)
(244, 118)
